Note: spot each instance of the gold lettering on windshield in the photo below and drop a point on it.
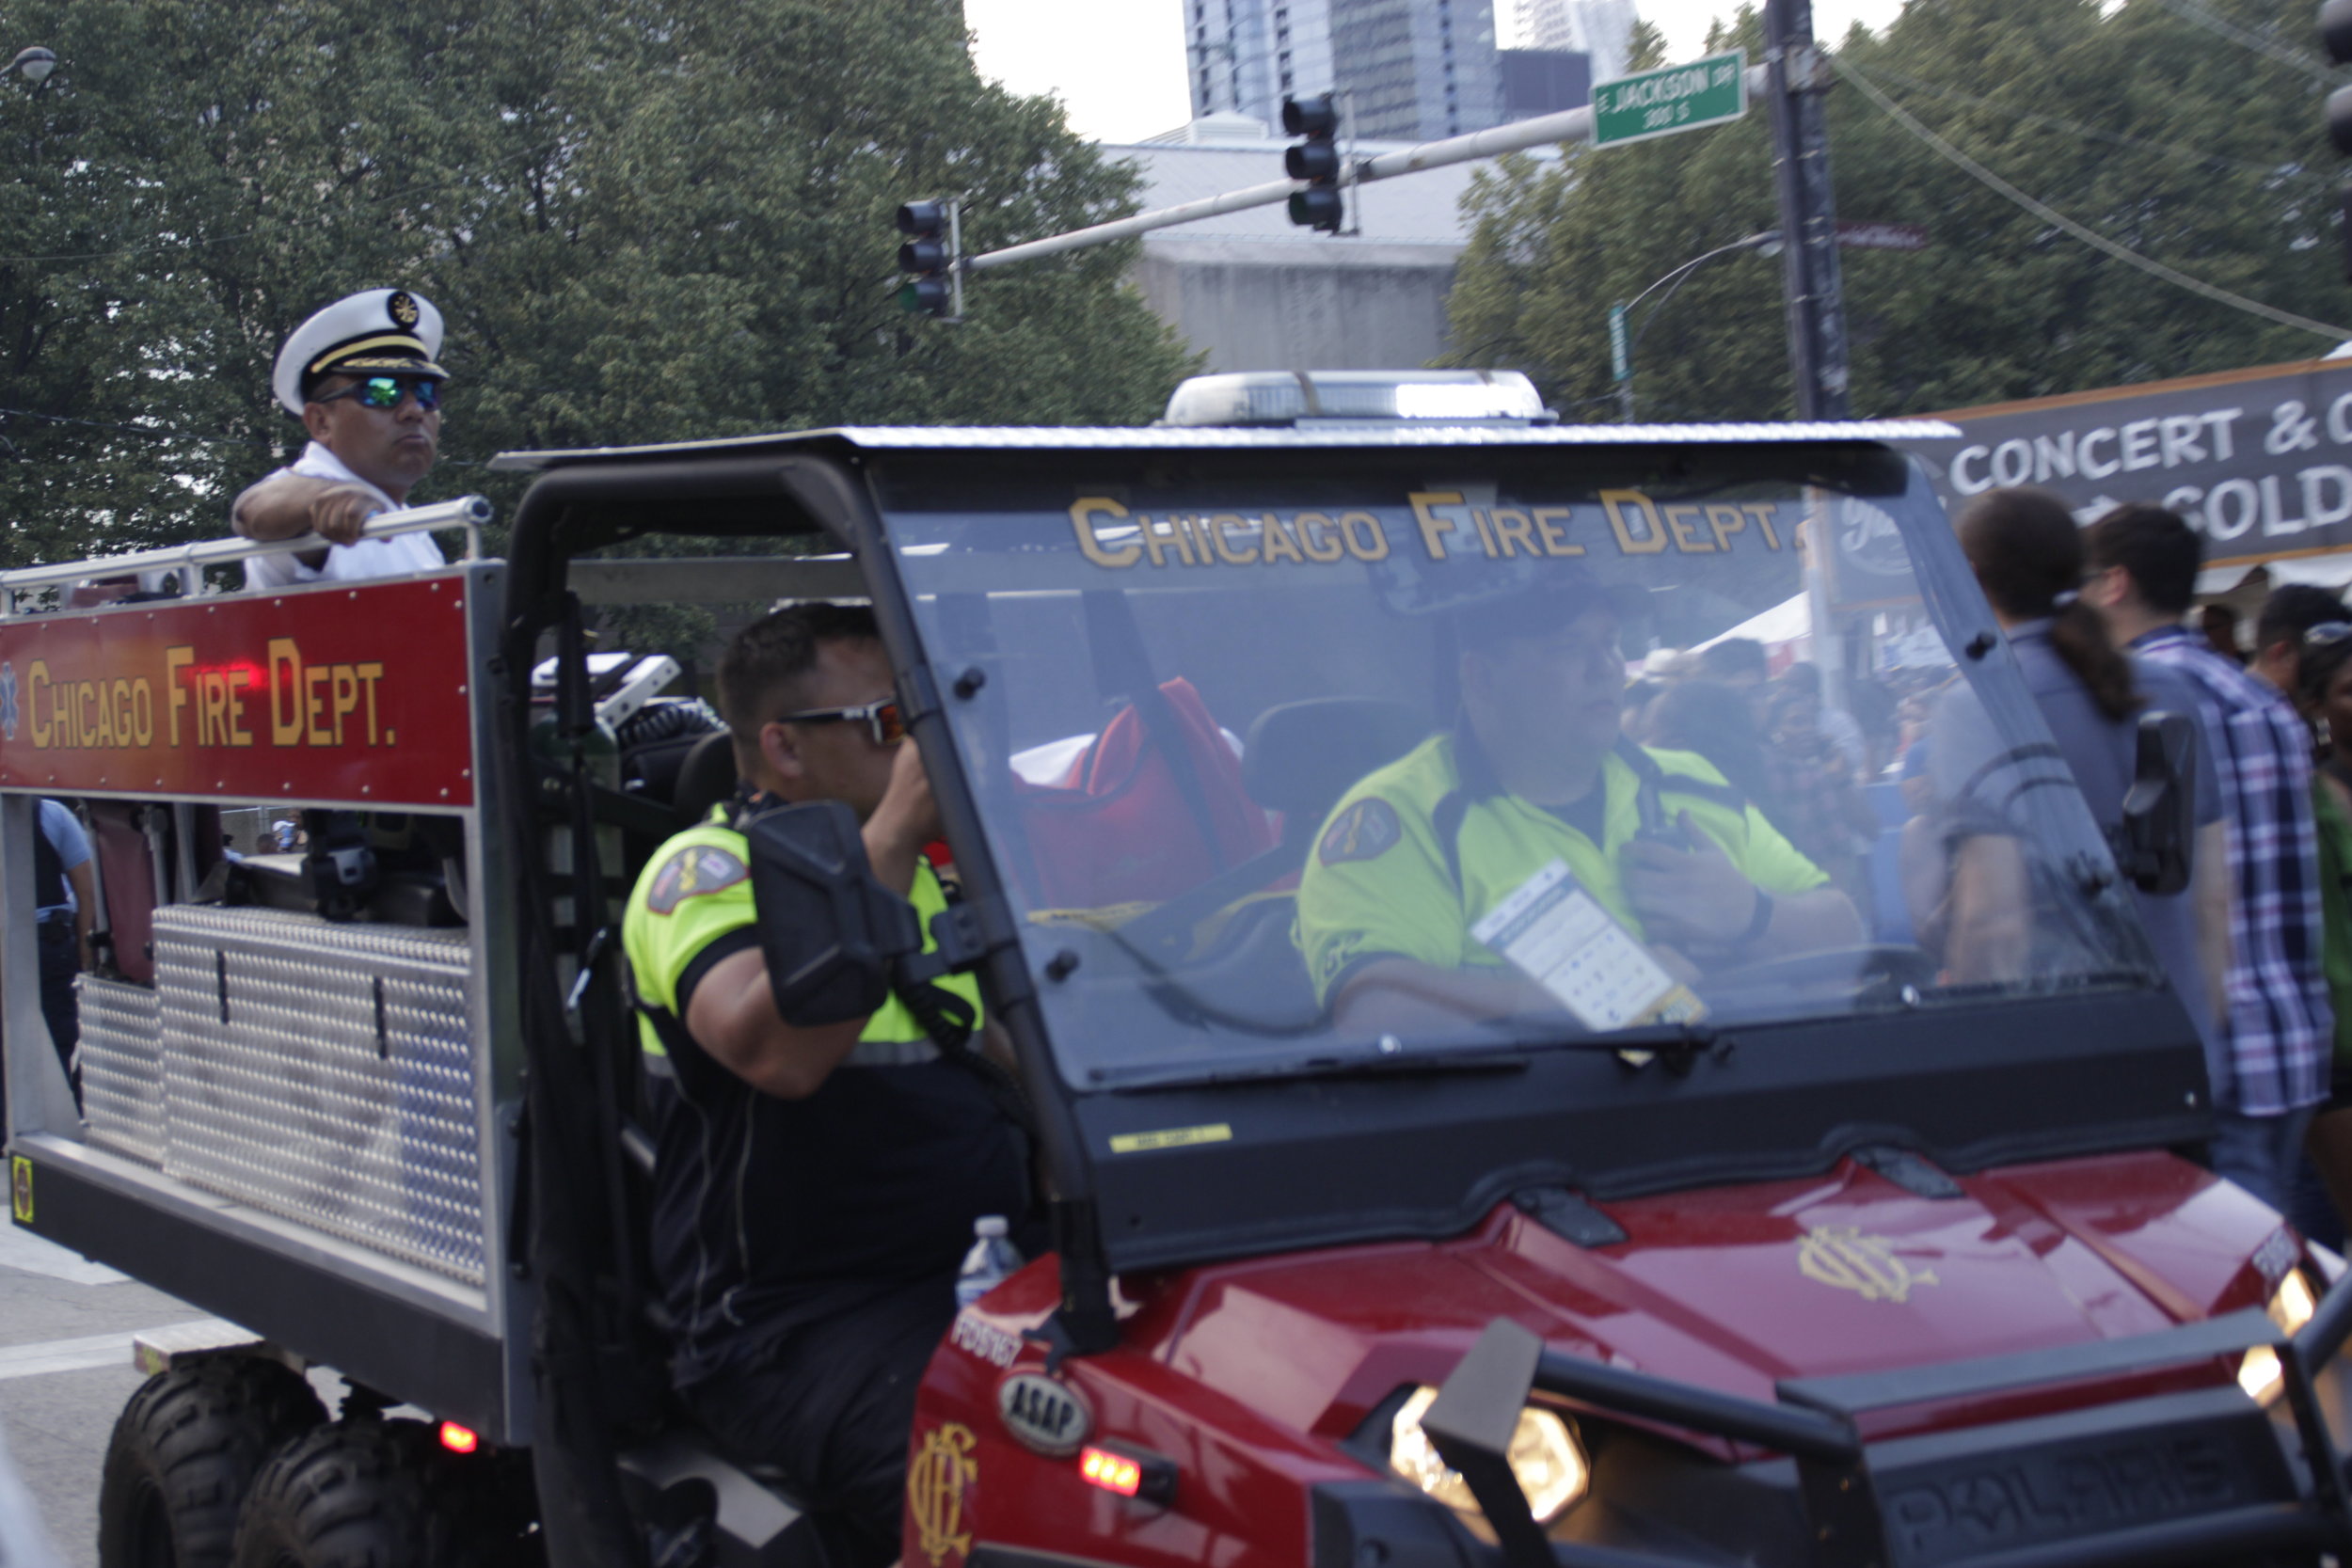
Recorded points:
(1315, 537)
(1842, 1257)
(1726, 521)
(1219, 541)
(1514, 532)
(1082, 513)
(1763, 515)
(1653, 538)
(1279, 546)
(1170, 535)
(1554, 535)
(1433, 528)
(1679, 522)
(1366, 539)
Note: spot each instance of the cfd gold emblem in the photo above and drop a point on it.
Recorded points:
(1841, 1255)
(937, 1482)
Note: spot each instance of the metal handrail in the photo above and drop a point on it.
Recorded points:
(466, 512)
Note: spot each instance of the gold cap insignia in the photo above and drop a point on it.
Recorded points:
(1841, 1255)
(401, 309)
(938, 1483)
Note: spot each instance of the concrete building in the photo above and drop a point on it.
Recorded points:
(1251, 292)
(1601, 28)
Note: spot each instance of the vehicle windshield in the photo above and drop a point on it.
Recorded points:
(1378, 757)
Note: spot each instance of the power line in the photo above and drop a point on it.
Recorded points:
(2089, 133)
(2191, 12)
(2088, 236)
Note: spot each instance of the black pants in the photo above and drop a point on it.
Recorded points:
(831, 1405)
(61, 960)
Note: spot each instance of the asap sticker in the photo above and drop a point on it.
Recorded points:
(1044, 1413)
(1363, 832)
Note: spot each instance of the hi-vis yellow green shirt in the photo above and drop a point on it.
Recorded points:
(693, 906)
(1382, 881)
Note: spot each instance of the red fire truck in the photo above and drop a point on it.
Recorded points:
(1843, 1256)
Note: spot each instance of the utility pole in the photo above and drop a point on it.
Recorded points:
(1809, 212)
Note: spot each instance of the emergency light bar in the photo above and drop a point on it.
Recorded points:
(1311, 399)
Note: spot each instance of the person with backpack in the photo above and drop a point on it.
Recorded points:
(2027, 556)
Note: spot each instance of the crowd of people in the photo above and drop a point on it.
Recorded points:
(2105, 628)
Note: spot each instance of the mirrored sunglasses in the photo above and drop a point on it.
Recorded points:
(383, 391)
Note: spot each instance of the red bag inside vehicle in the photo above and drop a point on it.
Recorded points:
(1152, 806)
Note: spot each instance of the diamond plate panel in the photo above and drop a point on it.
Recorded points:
(123, 1067)
(325, 1073)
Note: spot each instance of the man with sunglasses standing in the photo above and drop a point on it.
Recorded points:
(360, 376)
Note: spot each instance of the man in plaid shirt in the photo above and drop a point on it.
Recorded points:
(2276, 1024)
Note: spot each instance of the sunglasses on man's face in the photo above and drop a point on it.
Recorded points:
(383, 391)
(2326, 634)
(880, 719)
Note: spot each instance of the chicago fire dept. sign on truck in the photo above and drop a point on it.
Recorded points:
(338, 693)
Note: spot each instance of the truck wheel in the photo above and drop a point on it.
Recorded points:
(367, 1494)
(184, 1452)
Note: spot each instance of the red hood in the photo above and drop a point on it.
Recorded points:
(1735, 1289)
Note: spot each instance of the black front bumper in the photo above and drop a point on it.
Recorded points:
(2186, 1477)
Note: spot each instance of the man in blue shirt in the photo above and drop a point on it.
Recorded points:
(65, 903)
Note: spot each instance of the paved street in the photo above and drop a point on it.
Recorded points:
(65, 1369)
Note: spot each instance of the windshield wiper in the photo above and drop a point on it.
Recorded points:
(1677, 1044)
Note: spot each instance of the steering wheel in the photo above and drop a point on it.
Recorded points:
(1859, 971)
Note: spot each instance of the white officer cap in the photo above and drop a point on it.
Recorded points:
(381, 332)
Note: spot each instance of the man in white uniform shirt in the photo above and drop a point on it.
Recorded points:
(361, 378)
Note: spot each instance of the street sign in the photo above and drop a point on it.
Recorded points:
(1679, 98)
(1619, 361)
(1881, 236)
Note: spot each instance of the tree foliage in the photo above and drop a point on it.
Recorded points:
(644, 221)
(2147, 121)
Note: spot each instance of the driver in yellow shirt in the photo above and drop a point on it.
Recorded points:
(1419, 852)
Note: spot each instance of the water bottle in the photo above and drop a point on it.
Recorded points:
(991, 1262)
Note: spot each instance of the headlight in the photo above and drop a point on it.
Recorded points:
(2290, 1305)
(1545, 1458)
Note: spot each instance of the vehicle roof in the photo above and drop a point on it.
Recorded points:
(1153, 438)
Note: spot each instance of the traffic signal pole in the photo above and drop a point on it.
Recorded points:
(1809, 212)
(1568, 125)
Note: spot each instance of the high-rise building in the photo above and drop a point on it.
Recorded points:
(1601, 28)
(1419, 69)
(1245, 56)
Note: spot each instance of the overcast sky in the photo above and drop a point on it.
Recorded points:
(1119, 65)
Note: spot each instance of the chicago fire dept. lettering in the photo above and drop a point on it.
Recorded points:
(1111, 535)
(87, 714)
(234, 703)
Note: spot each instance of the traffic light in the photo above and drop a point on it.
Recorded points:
(930, 255)
(1315, 160)
(2335, 31)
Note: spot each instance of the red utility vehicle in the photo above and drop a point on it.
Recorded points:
(1841, 1258)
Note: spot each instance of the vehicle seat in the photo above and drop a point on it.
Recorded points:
(705, 777)
(1299, 760)
(1302, 756)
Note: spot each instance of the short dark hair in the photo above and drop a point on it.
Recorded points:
(2292, 610)
(761, 661)
(2156, 549)
(1733, 656)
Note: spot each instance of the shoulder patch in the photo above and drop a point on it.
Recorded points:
(1365, 831)
(695, 870)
